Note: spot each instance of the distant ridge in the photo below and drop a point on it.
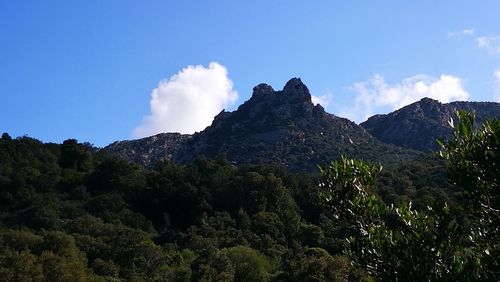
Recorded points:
(418, 125)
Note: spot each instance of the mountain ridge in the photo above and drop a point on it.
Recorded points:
(420, 124)
(273, 127)
(285, 128)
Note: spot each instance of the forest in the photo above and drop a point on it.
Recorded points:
(72, 212)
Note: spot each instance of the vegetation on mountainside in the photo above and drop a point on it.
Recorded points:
(70, 212)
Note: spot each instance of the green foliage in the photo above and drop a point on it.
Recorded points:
(347, 187)
(403, 243)
(249, 264)
(316, 264)
(48, 256)
(19, 266)
(70, 212)
(213, 265)
(473, 155)
(388, 242)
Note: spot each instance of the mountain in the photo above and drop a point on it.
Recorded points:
(419, 125)
(273, 127)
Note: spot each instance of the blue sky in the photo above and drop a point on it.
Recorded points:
(86, 69)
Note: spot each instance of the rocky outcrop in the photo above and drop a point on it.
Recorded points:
(420, 124)
(148, 151)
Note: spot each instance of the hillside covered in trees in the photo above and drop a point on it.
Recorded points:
(72, 212)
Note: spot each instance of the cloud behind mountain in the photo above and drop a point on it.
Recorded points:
(188, 101)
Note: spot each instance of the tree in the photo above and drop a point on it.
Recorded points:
(473, 156)
(402, 243)
(212, 265)
(19, 266)
(317, 265)
(249, 264)
(76, 155)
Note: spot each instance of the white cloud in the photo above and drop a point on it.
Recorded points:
(188, 101)
(376, 96)
(323, 100)
(463, 32)
(490, 43)
(497, 85)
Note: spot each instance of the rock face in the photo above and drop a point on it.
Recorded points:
(285, 128)
(147, 151)
(273, 127)
(419, 125)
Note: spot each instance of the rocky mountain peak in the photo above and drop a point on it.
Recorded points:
(262, 90)
(296, 90)
(429, 105)
(426, 108)
(293, 101)
(429, 101)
